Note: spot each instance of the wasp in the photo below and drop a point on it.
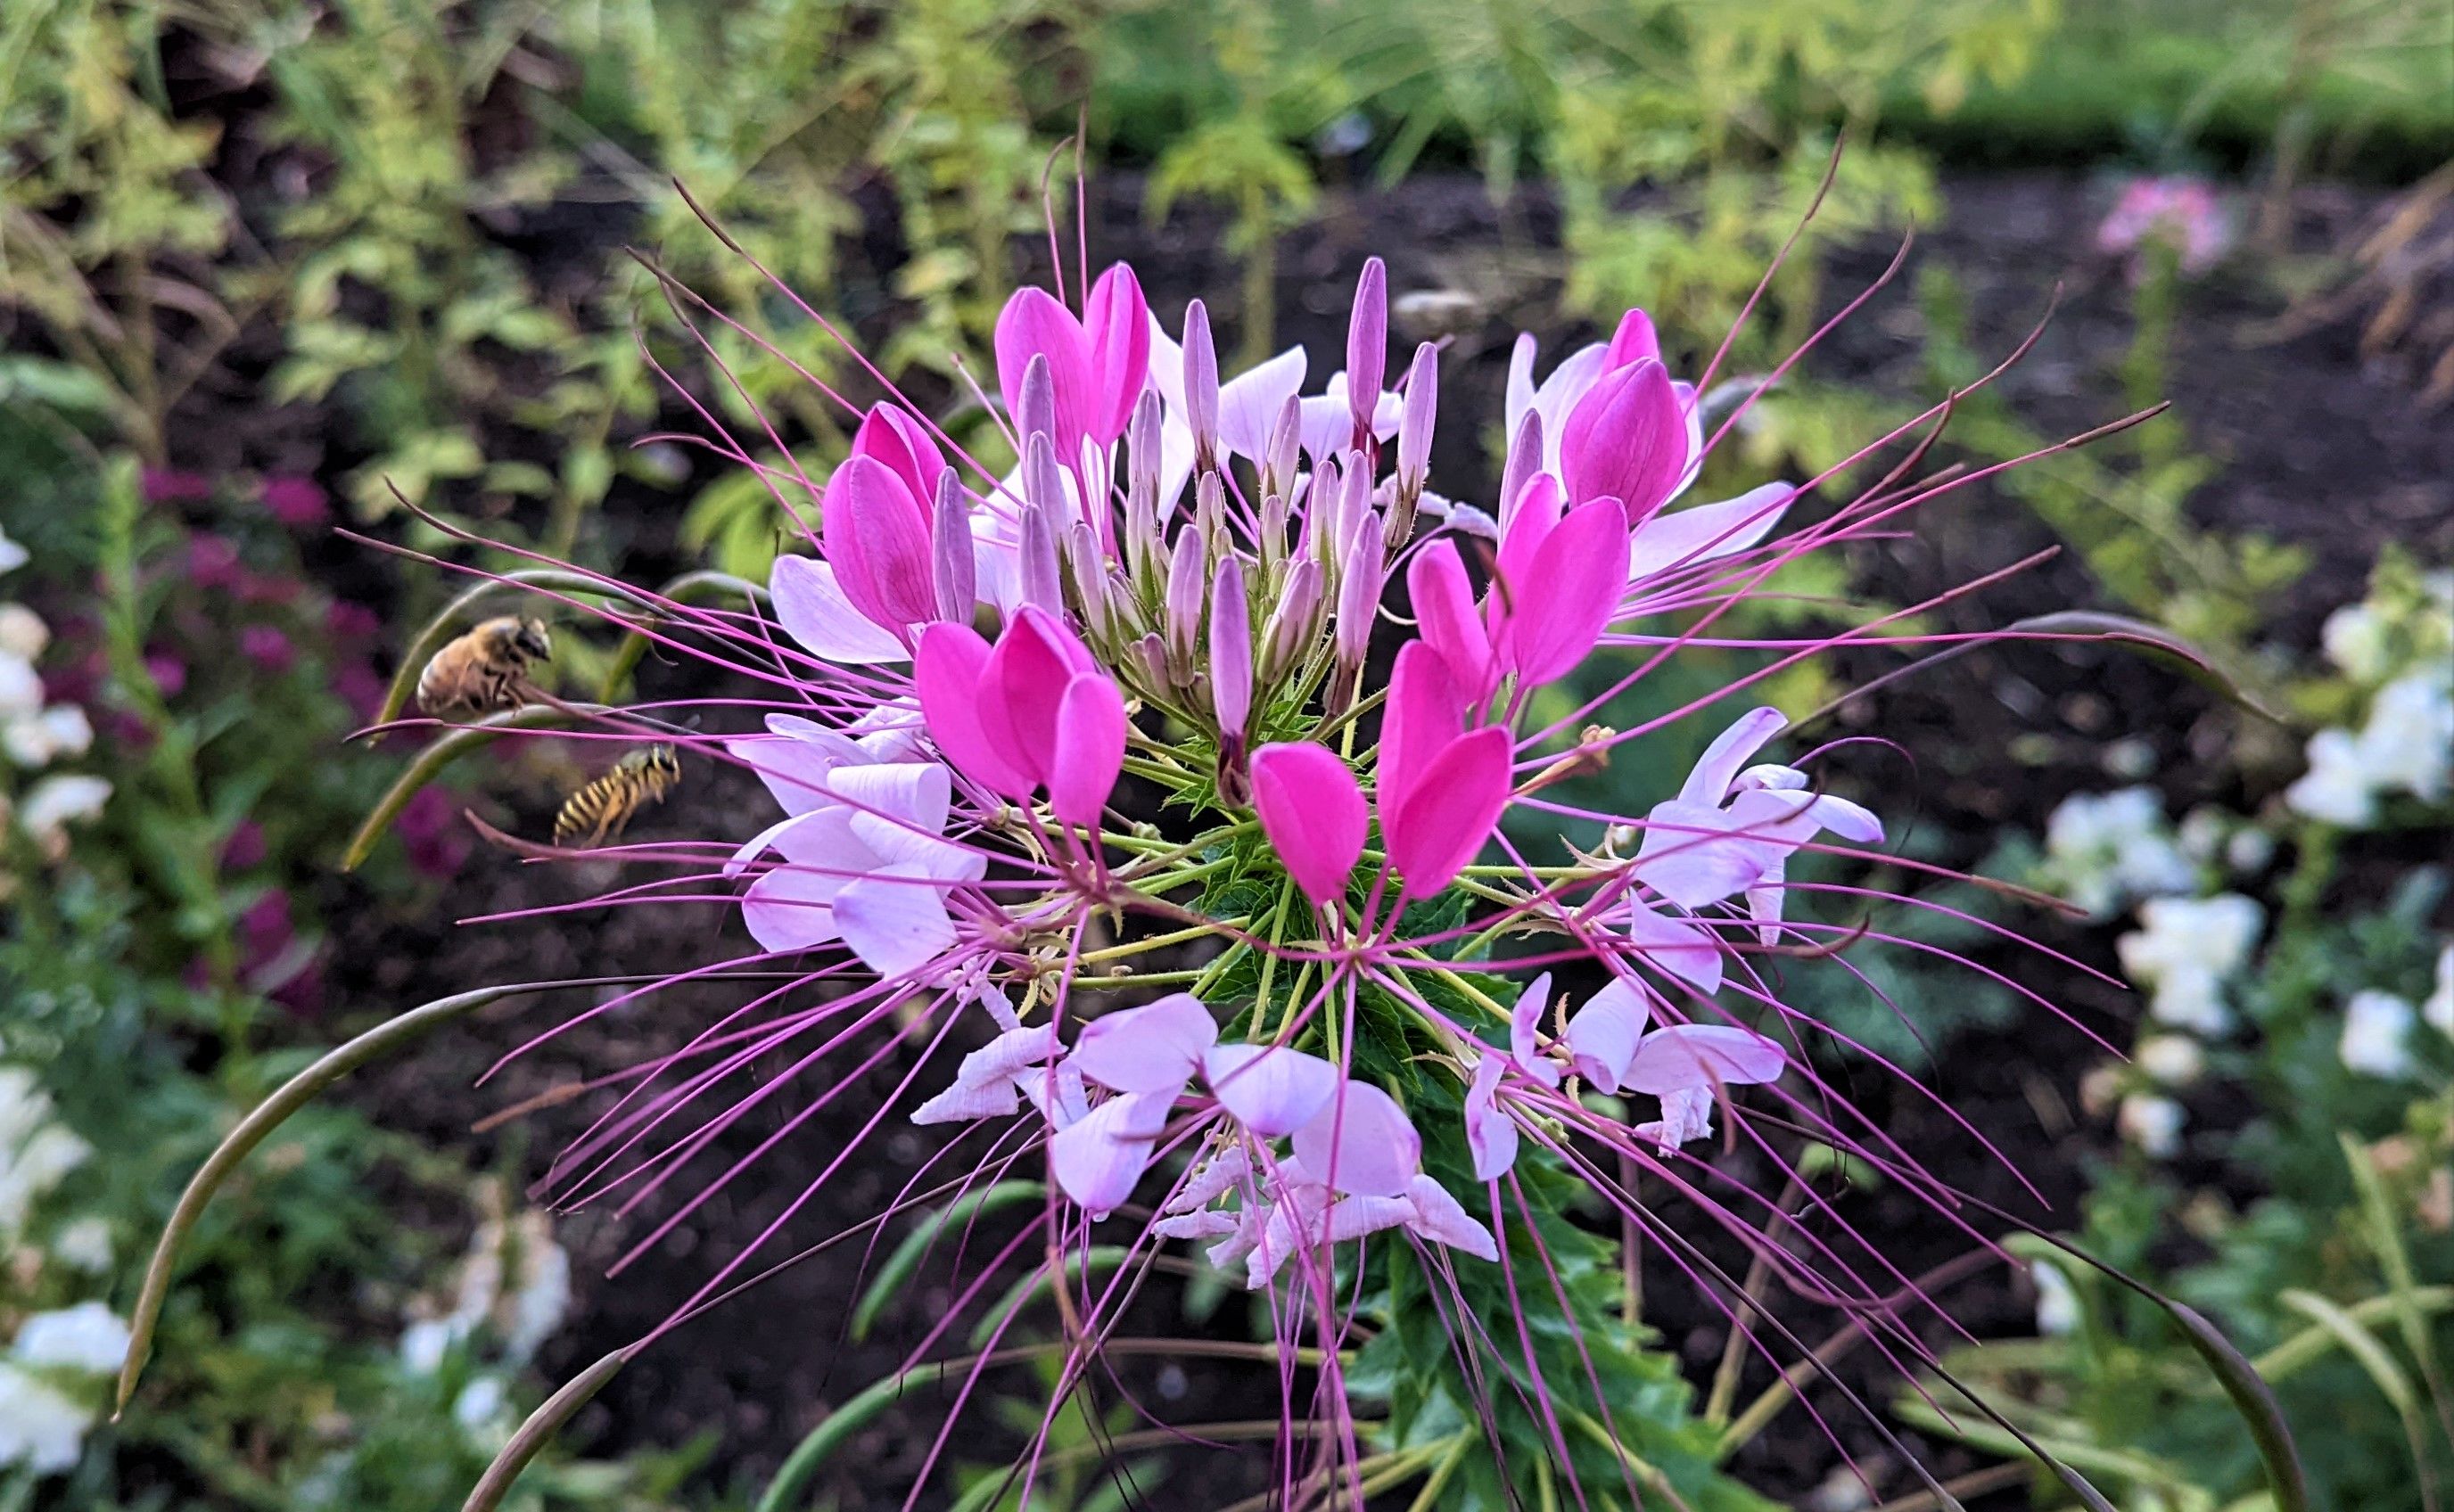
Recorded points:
(597, 812)
(485, 669)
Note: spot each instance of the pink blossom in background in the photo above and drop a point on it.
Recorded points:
(245, 846)
(169, 486)
(267, 647)
(432, 834)
(299, 503)
(2180, 213)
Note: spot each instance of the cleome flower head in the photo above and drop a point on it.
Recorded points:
(1204, 796)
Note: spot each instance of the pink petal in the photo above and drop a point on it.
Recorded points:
(1626, 440)
(1718, 767)
(1207, 1225)
(1456, 801)
(795, 769)
(1270, 1089)
(811, 604)
(1090, 749)
(1099, 1159)
(1360, 1142)
(1444, 600)
(1034, 324)
(1312, 812)
(1214, 1178)
(1117, 325)
(1688, 951)
(1763, 903)
(1442, 1220)
(1424, 715)
(790, 910)
(1687, 1057)
(1604, 1036)
(965, 1102)
(892, 436)
(919, 793)
(1558, 609)
(1231, 648)
(894, 922)
(1633, 342)
(1367, 343)
(1490, 1134)
(1529, 522)
(1706, 533)
(1153, 1048)
(877, 532)
(946, 669)
(1022, 685)
(1846, 819)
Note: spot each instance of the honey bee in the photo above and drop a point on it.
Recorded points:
(597, 812)
(483, 669)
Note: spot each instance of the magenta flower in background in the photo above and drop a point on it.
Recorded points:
(267, 647)
(299, 503)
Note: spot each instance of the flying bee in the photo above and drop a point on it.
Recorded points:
(485, 669)
(597, 812)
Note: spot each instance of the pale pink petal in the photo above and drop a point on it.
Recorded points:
(1441, 1219)
(1764, 900)
(1360, 1142)
(1458, 799)
(964, 1102)
(1604, 1036)
(919, 793)
(1524, 1021)
(1848, 820)
(792, 908)
(1691, 857)
(1098, 1160)
(1056, 1091)
(1153, 1048)
(795, 768)
(812, 607)
(1354, 1217)
(1214, 1178)
(1687, 951)
(1706, 533)
(894, 922)
(1209, 1224)
(1248, 403)
(1519, 397)
(1269, 1089)
(1312, 812)
(1688, 1056)
(1717, 768)
(1489, 1133)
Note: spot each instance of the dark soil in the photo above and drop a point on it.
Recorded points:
(2313, 446)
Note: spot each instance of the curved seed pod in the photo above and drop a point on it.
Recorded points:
(441, 753)
(538, 1430)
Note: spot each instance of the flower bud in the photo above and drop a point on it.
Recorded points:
(1184, 603)
(1359, 595)
(1367, 347)
(1200, 385)
(954, 572)
(1231, 648)
(1415, 422)
(1142, 543)
(1293, 623)
(1086, 563)
(1285, 451)
(1036, 412)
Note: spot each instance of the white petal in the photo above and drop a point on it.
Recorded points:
(814, 613)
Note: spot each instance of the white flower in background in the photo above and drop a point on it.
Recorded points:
(2249, 850)
(2358, 639)
(2439, 1009)
(2152, 1122)
(2057, 1299)
(88, 1337)
(35, 1152)
(2376, 1033)
(23, 635)
(58, 801)
(2336, 788)
(522, 1317)
(2175, 1060)
(2408, 743)
(84, 1245)
(12, 556)
(36, 741)
(41, 1427)
(21, 688)
(2105, 848)
(483, 1407)
(2184, 950)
